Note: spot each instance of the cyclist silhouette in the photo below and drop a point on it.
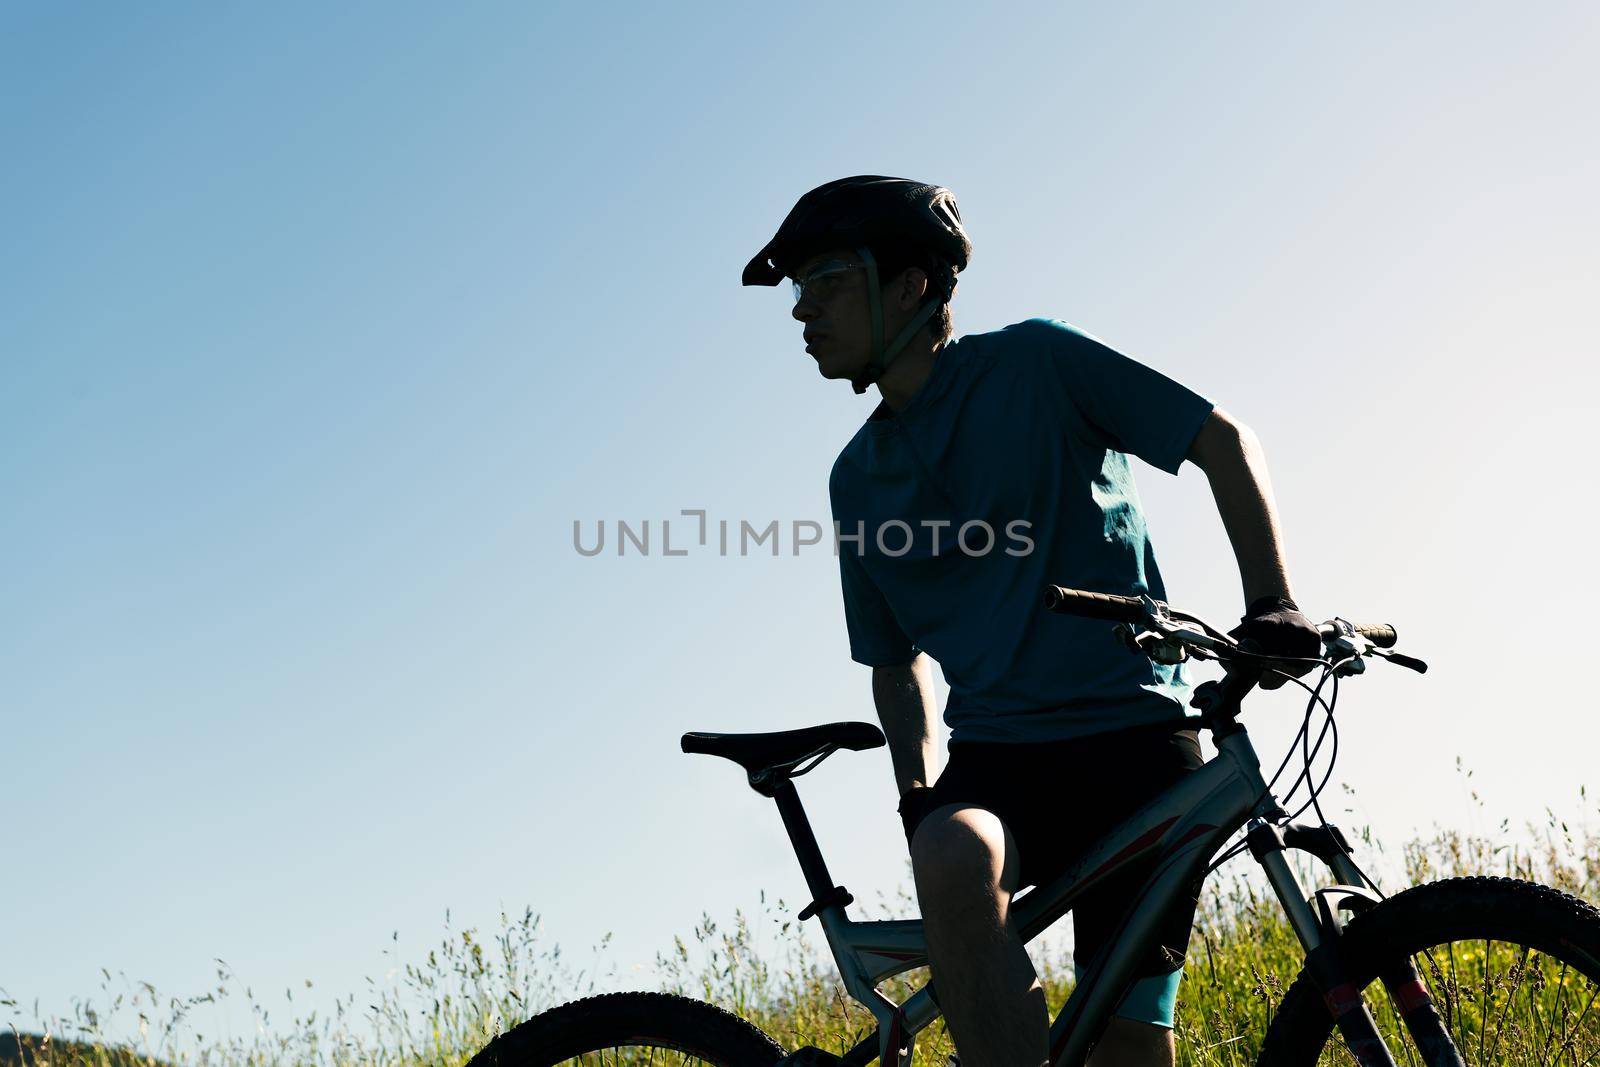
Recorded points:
(993, 464)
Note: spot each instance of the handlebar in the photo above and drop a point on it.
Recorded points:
(1383, 636)
(1168, 635)
(1131, 609)
(1064, 601)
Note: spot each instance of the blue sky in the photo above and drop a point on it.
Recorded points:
(322, 325)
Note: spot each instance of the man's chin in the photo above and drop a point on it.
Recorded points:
(829, 369)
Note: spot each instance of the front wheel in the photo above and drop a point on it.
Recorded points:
(624, 1029)
(1512, 968)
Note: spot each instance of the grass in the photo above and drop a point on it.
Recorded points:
(439, 1010)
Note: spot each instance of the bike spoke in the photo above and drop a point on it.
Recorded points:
(1394, 1009)
(635, 1056)
(1560, 1009)
(1485, 1002)
(1571, 1041)
(1503, 1004)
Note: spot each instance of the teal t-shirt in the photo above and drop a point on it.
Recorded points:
(1009, 469)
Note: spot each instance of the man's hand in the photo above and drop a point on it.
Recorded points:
(1274, 626)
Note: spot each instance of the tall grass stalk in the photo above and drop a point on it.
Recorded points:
(438, 1010)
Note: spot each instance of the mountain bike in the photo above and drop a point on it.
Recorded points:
(1472, 970)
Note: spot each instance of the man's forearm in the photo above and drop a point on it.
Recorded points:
(1236, 467)
(903, 696)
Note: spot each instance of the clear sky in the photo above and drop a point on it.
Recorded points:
(320, 325)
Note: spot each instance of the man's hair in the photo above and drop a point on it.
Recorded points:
(895, 258)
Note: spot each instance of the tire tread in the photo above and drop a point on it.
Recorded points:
(610, 1019)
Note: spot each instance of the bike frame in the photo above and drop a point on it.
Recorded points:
(1178, 833)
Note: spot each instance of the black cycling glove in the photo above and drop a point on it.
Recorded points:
(915, 803)
(1274, 625)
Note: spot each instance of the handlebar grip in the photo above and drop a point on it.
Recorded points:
(1382, 636)
(1064, 601)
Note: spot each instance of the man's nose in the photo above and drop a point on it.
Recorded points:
(804, 310)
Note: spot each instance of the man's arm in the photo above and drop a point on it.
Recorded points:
(903, 695)
(1231, 456)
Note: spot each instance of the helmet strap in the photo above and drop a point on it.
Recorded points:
(883, 355)
(875, 301)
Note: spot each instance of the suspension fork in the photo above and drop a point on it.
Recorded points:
(1401, 979)
(1323, 961)
(1319, 930)
(1421, 1017)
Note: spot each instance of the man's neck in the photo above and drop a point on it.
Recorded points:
(906, 375)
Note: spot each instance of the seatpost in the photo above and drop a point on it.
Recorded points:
(818, 880)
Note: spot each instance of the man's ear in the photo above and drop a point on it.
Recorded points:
(913, 287)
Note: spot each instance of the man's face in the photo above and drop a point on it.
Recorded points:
(835, 311)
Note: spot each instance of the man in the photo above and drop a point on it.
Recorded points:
(1057, 733)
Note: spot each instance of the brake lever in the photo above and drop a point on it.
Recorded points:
(1159, 647)
(1400, 659)
(1171, 637)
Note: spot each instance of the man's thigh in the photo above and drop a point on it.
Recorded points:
(1099, 913)
(1056, 798)
(1053, 799)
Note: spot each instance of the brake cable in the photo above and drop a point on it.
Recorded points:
(1300, 740)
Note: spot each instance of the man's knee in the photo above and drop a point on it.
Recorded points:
(963, 846)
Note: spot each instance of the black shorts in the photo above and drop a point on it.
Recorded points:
(1059, 797)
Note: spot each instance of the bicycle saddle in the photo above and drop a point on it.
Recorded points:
(758, 753)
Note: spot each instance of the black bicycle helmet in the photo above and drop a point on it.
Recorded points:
(855, 213)
(865, 209)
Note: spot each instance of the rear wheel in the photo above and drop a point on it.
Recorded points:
(627, 1029)
(1513, 970)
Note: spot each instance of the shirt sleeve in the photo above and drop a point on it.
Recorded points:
(876, 639)
(1123, 404)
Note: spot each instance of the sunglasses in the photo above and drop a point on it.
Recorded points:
(824, 281)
